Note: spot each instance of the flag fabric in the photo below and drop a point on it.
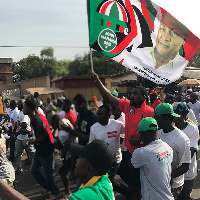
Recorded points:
(141, 36)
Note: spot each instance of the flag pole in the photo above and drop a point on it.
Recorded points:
(91, 61)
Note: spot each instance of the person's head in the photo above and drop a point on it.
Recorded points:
(95, 159)
(66, 106)
(29, 107)
(153, 95)
(137, 96)
(179, 97)
(94, 98)
(103, 114)
(36, 95)
(55, 121)
(80, 102)
(7, 103)
(116, 111)
(171, 36)
(193, 97)
(181, 109)
(21, 104)
(169, 98)
(13, 104)
(59, 102)
(189, 91)
(148, 130)
(48, 100)
(164, 115)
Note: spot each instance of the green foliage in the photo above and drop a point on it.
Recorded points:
(47, 53)
(103, 65)
(46, 65)
(28, 68)
(33, 66)
(62, 68)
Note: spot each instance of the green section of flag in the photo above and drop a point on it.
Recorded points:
(99, 22)
(114, 11)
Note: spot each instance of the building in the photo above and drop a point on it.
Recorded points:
(83, 84)
(6, 70)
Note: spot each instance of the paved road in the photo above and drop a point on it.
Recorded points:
(26, 184)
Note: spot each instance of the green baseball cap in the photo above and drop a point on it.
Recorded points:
(115, 93)
(148, 124)
(165, 109)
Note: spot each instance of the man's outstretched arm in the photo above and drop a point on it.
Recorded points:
(9, 193)
(104, 91)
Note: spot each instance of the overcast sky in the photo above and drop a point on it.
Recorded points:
(54, 23)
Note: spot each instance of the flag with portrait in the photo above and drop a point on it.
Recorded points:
(141, 36)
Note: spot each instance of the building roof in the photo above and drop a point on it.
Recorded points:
(44, 90)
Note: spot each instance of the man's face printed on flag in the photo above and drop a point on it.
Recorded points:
(170, 38)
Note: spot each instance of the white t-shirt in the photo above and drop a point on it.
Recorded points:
(154, 161)
(121, 119)
(196, 109)
(8, 111)
(180, 144)
(192, 117)
(13, 117)
(23, 118)
(109, 133)
(193, 134)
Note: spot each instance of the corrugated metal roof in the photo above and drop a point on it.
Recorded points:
(44, 90)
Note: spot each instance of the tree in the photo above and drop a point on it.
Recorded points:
(62, 68)
(33, 66)
(27, 68)
(102, 65)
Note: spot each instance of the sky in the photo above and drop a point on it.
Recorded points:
(62, 24)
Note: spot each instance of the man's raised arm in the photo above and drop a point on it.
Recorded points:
(104, 91)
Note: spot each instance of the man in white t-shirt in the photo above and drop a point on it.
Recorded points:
(192, 132)
(195, 106)
(109, 130)
(59, 124)
(154, 161)
(22, 132)
(12, 129)
(117, 114)
(178, 141)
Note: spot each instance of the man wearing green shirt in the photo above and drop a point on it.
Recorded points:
(92, 167)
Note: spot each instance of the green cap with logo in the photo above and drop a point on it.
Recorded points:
(148, 124)
(165, 109)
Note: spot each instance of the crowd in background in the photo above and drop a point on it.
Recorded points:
(154, 143)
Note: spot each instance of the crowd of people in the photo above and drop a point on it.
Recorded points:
(152, 145)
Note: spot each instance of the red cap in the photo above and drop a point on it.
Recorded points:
(153, 92)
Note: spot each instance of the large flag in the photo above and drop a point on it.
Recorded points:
(141, 36)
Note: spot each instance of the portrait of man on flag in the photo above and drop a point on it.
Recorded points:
(143, 37)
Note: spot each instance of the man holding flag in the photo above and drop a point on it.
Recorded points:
(135, 110)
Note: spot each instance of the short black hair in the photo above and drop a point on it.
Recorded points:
(80, 98)
(67, 101)
(143, 92)
(31, 104)
(106, 107)
(36, 95)
(56, 118)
